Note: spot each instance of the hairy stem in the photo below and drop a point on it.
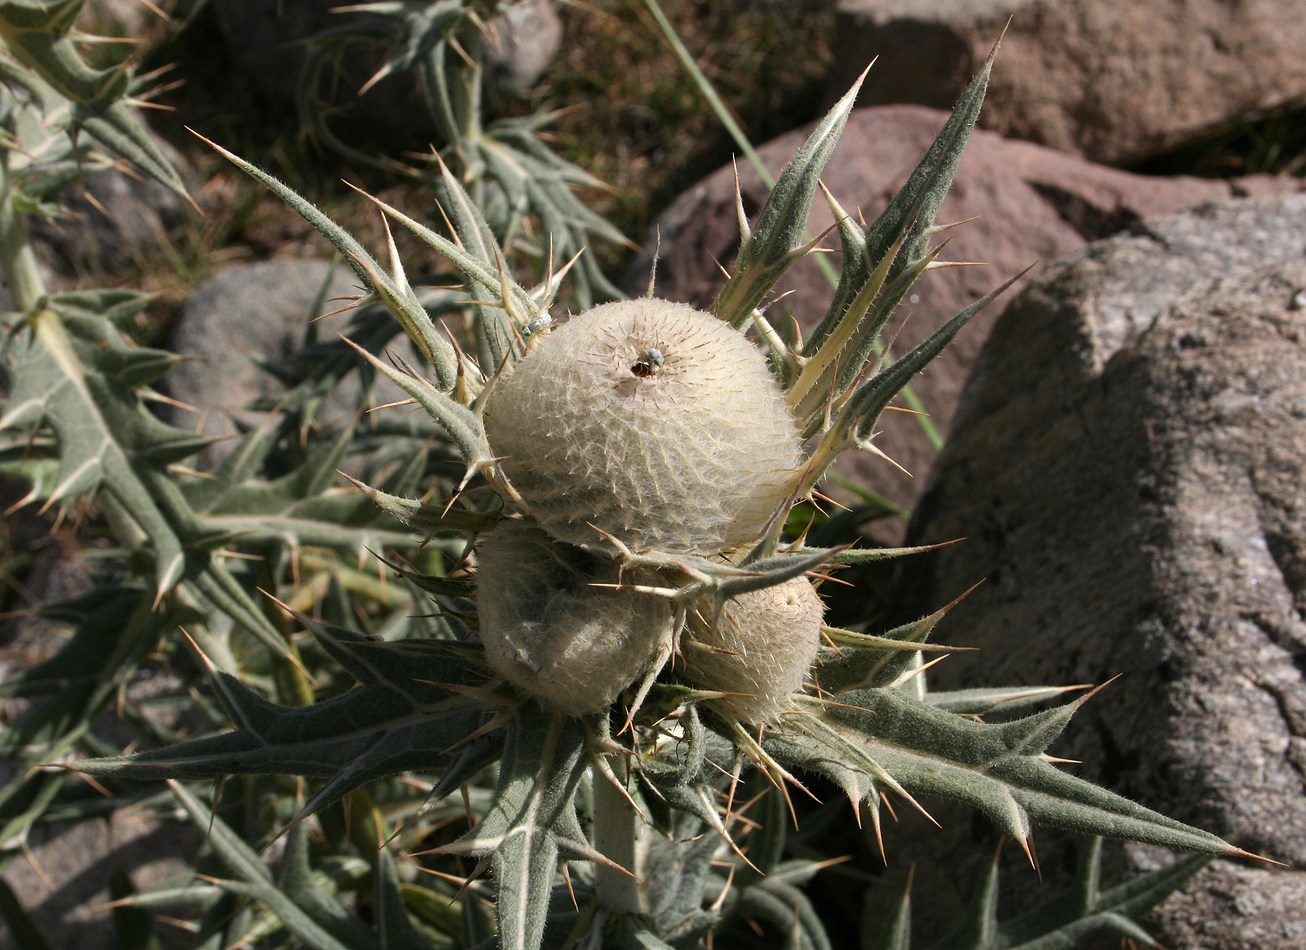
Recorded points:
(616, 834)
(18, 263)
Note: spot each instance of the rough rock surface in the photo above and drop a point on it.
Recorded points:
(113, 219)
(64, 887)
(1113, 80)
(1126, 470)
(1031, 203)
(522, 44)
(248, 313)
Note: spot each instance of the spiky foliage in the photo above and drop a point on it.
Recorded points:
(525, 190)
(868, 726)
(396, 699)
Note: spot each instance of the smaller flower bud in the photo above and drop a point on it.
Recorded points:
(761, 648)
(548, 629)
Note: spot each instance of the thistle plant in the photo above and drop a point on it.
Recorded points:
(525, 190)
(594, 660)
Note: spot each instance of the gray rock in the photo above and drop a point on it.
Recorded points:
(522, 43)
(229, 322)
(64, 884)
(1126, 467)
(1112, 80)
(1030, 204)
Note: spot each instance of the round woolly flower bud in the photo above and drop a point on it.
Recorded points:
(547, 629)
(652, 421)
(760, 649)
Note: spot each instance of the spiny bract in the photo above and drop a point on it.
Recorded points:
(650, 421)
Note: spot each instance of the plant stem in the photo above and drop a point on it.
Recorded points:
(18, 262)
(616, 834)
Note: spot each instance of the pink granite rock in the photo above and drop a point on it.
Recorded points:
(1113, 80)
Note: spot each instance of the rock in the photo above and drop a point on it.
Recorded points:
(247, 313)
(1116, 81)
(522, 43)
(1125, 467)
(66, 891)
(1032, 204)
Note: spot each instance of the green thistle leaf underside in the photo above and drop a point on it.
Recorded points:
(532, 821)
(1078, 915)
(998, 768)
(402, 716)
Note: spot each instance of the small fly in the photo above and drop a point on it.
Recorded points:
(538, 324)
(650, 364)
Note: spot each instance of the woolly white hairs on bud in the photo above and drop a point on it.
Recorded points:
(761, 648)
(547, 629)
(650, 420)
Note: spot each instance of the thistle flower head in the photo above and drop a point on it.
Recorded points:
(653, 422)
(554, 623)
(758, 650)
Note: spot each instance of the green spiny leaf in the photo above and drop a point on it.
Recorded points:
(1082, 914)
(117, 129)
(983, 701)
(402, 716)
(854, 424)
(780, 235)
(394, 291)
(253, 878)
(297, 880)
(980, 928)
(898, 934)
(495, 333)
(908, 219)
(461, 424)
(868, 401)
(505, 292)
(1000, 769)
(36, 33)
(117, 629)
(867, 662)
(787, 910)
(531, 821)
(105, 435)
